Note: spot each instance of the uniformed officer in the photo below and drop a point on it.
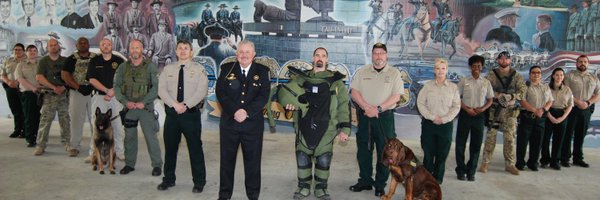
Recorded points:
(375, 89)
(25, 74)
(572, 28)
(242, 91)
(509, 87)
(80, 100)
(476, 97)
(55, 97)
(207, 16)
(101, 71)
(535, 103)
(11, 87)
(586, 91)
(439, 103)
(327, 117)
(556, 121)
(183, 86)
(223, 14)
(136, 87)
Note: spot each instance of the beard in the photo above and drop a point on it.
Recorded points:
(319, 64)
(135, 55)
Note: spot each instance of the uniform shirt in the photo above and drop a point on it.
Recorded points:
(563, 98)
(538, 95)
(475, 92)
(9, 67)
(195, 83)
(582, 84)
(50, 69)
(104, 70)
(375, 87)
(441, 100)
(27, 70)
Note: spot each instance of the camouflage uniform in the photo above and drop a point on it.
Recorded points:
(53, 103)
(505, 117)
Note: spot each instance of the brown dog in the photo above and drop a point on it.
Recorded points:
(104, 143)
(417, 181)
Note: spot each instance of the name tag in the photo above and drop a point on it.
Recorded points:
(315, 89)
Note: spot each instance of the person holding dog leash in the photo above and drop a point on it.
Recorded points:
(183, 86)
(438, 103)
(375, 112)
(101, 71)
(136, 87)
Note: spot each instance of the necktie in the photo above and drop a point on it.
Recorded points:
(28, 22)
(244, 72)
(51, 22)
(180, 85)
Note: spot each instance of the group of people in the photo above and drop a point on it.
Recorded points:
(74, 86)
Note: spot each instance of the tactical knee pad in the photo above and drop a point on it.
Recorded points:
(129, 123)
(303, 160)
(324, 161)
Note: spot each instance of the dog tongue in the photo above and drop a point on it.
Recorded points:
(390, 161)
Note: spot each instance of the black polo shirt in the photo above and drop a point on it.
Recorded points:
(104, 70)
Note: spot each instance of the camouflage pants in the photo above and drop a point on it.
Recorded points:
(54, 104)
(508, 129)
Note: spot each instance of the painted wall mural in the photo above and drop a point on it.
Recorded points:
(550, 33)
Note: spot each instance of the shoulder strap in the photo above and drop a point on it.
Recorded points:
(504, 85)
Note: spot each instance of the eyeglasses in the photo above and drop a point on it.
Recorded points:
(536, 72)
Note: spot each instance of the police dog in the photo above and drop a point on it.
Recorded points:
(104, 143)
(418, 182)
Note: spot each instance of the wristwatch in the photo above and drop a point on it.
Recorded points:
(379, 109)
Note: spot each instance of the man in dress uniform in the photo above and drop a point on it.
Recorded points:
(101, 71)
(586, 92)
(55, 100)
(72, 19)
(242, 90)
(11, 87)
(136, 87)
(507, 18)
(183, 86)
(80, 100)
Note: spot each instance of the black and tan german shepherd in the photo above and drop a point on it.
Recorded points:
(104, 143)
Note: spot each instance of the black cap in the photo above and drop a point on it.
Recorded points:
(379, 45)
(504, 53)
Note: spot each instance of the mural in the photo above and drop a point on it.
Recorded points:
(550, 33)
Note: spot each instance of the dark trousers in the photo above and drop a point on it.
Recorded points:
(14, 103)
(251, 142)
(189, 124)
(436, 141)
(468, 125)
(530, 131)
(31, 111)
(373, 133)
(579, 121)
(557, 133)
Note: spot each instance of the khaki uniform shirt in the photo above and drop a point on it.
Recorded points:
(195, 83)
(475, 92)
(563, 98)
(538, 95)
(441, 100)
(27, 70)
(9, 67)
(376, 87)
(583, 85)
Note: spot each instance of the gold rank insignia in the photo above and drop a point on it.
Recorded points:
(231, 77)
(115, 65)
(192, 73)
(256, 77)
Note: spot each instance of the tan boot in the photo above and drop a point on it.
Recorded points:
(88, 159)
(512, 169)
(38, 151)
(483, 168)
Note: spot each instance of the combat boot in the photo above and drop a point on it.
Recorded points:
(512, 169)
(484, 167)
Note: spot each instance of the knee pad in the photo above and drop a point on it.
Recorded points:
(303, 160)
(129, 123)
(323, 161)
